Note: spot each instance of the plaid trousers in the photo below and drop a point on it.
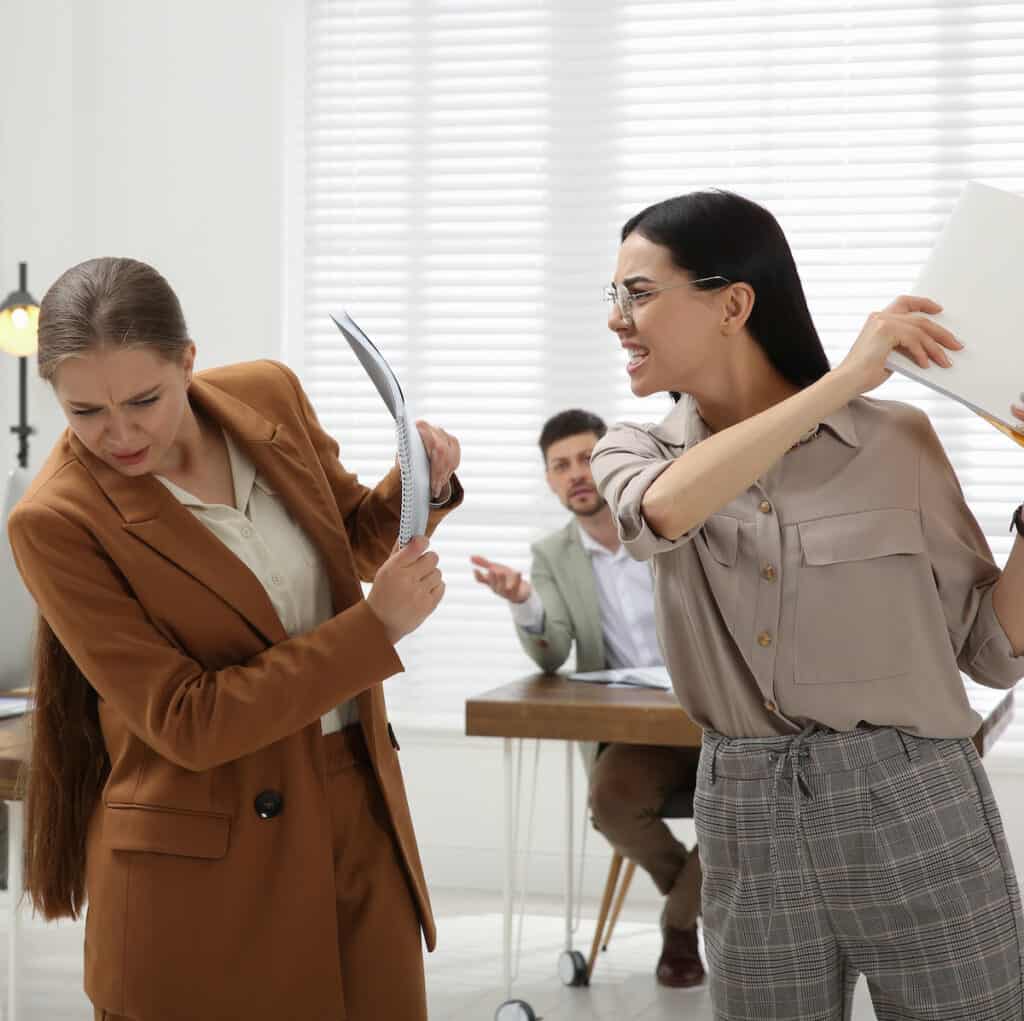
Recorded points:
(829, 855)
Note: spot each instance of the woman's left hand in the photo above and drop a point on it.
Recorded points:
(1018, 412)
(443, 452)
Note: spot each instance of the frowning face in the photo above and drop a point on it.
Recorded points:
(568, 474)
(125, 405)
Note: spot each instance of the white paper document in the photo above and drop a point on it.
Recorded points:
(635, 677)
(412, 457)
(974, 273)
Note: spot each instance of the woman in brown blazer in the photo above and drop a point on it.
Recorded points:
(212, 767)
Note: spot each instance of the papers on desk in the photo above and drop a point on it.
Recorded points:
(630, 677)
(10, 706)
(973, 272)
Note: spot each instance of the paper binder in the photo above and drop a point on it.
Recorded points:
(412, 457)
(974, 273)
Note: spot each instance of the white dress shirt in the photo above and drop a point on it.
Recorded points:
(625, 596)
(264, 536)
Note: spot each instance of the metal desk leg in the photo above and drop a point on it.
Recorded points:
(569, 820)
(15, 842)
(572, 968)
(511, 1010)
(511, 804)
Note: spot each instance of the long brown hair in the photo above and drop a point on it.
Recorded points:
(99, 303)
(67, 767)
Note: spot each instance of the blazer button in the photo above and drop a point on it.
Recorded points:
(394, 740)
(268, 804)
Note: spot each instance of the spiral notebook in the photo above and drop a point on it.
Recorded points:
(412, 457)
(973, 272)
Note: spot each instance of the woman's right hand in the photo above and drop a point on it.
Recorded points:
(406, 589)
(899, 325)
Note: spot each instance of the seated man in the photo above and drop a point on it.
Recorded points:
(585, 588)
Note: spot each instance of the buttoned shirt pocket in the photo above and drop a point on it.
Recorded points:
(857, 577)
(721, 535)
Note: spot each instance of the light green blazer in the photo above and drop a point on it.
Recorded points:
(564, 579)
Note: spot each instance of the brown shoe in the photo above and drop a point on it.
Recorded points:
(680, 965)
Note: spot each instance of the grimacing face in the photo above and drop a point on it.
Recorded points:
(674, 339)
(568, 473)
(126, 405)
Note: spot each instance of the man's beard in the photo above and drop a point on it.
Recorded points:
(599, 506)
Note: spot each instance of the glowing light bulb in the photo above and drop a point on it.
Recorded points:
(19, 317)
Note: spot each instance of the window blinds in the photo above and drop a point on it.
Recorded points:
(468, 164)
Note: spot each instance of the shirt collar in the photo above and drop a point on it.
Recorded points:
(183, 496)
(592, 546)
(243, 474)
(683, 426)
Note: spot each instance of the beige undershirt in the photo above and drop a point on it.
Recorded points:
(263, 535)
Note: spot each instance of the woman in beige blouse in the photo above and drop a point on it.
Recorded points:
(212, 765)
(820, 585)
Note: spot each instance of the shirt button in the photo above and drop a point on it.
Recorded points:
(246, 532)
(771, 706)
(768, 572)
(277, 579)
(764, 639)
(764, 507)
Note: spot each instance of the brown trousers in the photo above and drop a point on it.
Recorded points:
(381, 952)
(628, 786)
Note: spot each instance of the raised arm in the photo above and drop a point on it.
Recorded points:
(984, 607)
(705, 478)
(371, 515)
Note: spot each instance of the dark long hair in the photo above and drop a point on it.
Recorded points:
(718, 233)
(99, 303)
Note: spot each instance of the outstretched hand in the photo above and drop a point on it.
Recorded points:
(502, 580)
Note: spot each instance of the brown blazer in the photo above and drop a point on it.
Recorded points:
(200, 910)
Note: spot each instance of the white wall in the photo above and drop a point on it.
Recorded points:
(151, 130)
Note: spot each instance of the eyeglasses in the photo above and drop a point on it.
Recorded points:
(622, 297)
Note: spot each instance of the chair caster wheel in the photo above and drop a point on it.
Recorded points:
(572, 968)
(515, 1010)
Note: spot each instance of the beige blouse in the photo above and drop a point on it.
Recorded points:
(262, 534)
(849, 584)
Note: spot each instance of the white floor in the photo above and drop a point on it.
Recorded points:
(463, 976)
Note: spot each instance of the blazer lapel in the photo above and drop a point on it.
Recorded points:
(304, 492)
(156, 518)
(581, 573)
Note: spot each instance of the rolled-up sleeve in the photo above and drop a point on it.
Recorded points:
(965, 573)
(625, 463)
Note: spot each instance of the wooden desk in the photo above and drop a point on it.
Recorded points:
(551, 707)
